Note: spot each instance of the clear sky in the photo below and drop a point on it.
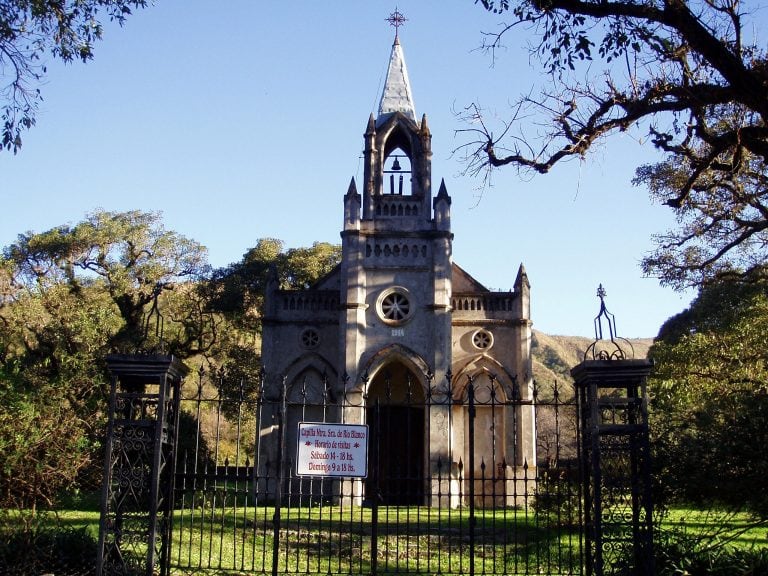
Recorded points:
(243, 119)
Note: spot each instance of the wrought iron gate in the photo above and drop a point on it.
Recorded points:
(228, 500)
(241, 508)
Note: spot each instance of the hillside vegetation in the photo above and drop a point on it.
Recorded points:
(554, 356)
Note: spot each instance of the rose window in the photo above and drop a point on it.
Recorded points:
(310, 338)
(482, 339)
(395, 306)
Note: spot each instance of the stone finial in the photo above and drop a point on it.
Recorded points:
(352, 190)
(442, 193)
(424, 127)
(522, 279)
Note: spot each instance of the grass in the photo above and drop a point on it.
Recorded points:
(717, 527)
(334, 539)
(209, 537)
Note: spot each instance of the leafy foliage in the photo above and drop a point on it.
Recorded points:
(129, 256)
(721, 213)
(710, 398)
(238, 290)
(29, 29)
(678, 554)
(117, 281)
(692, 74)
(47, 437)
(69, 296)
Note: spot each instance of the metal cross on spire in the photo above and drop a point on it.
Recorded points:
(396, 19)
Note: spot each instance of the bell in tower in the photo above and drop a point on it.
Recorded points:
(398, 150)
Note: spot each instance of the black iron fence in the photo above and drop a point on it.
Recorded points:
(244, 503)
(396, 477)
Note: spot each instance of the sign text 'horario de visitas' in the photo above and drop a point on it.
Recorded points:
(332, 450)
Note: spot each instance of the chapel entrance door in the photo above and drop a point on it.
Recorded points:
(395, 416)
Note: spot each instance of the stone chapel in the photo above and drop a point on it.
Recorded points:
(399, 326)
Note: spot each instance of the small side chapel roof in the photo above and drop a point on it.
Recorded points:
(396, 96)
(463, 282)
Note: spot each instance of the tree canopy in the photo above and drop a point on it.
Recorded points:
(69, 296)
(710, 398)
(30, 29)
(117, 281)
(693, 75)
(130, 255)
(238, 290)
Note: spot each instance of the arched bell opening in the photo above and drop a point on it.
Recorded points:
(395, 408)
(397, 173)
(397, 137)
(400, 152)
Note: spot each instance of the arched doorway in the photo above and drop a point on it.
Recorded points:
(306, 401)
(395, 415)
(486, 439)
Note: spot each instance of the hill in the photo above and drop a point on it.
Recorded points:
(554, 356)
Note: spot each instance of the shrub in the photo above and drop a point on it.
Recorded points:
(36, 548)
(679, 554)
(557, 498)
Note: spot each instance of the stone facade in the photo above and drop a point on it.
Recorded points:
(396, 319)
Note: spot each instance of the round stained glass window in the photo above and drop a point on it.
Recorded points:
(395, 306)
(482, 339)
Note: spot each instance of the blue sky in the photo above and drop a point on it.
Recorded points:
(245, 121)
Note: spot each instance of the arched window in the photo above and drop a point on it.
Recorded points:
(397, 173)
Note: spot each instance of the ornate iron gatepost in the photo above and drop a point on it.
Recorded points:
(615, 456)
(139, 464)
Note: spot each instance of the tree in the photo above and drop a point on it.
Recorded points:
(116, 281)
(68, 297)
(722, 223)
(710, 398)
(694, 75)
(130, 256)
(238, 290)
(29, 29)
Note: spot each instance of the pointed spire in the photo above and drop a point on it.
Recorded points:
(442, 205)
(522, 279)
(371, 127)
(396, 96)
(352, 190)
(352, 207)
(442, 193)
(424, 127)
(273, 279)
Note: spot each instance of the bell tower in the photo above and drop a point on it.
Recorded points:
(398, 151)
(394, 334)
(396, 259)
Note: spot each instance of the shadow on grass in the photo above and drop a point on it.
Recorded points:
(342, 540)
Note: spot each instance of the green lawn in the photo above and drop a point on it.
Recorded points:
(735, 529)
(333, 539)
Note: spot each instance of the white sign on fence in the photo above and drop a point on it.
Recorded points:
(332, 450)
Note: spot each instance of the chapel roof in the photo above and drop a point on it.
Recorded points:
(463, 282)
(397, 95)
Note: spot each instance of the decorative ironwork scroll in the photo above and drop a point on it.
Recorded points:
(139, 467)
(615, 456)
(612, 403)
